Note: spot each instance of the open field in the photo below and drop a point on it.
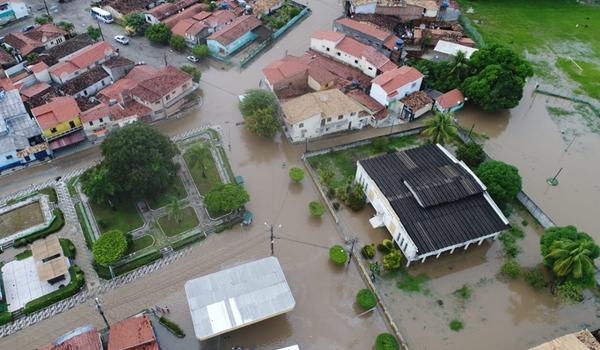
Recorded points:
(125, 218)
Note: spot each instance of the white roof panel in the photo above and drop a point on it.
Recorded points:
(452, 49)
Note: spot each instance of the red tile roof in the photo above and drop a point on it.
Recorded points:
(83, 58)
(141, 72)
(391, 80)
(366, 28)
(67, 140)
(113, 92)
(89, 340)
(203, 15)
(157, 86)
(34, 90)
(132, 333)
(219, 18)
(182, 26)
(35, 38)
(58, 110)
(165, 10)
(99, 111)
(357, 49)
(284, 68)
(185, 14)
(133, 108)
(328, 35)
(5, 57)
(367, 101)
(39, 67)
(450, 99)
(6, 84)
(235, 29)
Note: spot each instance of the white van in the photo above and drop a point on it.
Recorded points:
(102, 15)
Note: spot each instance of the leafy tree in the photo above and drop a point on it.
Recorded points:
(494, 88)
(366, 299)
(199, 156)
(569, 292)
(193, 71)
(139, 160)
(296, 174)
(316, 209)
(557, 233)
(573, 260)
(441, 128)
(471, 153)
(263, 122)
(177, 43)
(67, 26)
(368, 251)
(32, 57)
(200, 50)
(110, 247)
(459, 66)
(96, 185)
(503, 56)
(386, 341)
(511, 269)
(94, 32)
(502, 180)
(159, 34)
(393, 260)
(44, 19)
(257, 99)
(174, 209)
(338, 255)
(225, 198)
(355, 197)
(135, 22)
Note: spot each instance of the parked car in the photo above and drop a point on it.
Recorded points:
(193, 59)
(121, 39)
(27, 28)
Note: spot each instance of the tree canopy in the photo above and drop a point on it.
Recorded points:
(158, 33)
(503, 56)
(177, 43)
(502, 180)
(139, 160)
(44, 19)
(67, 26)
(441, 128)
(193, 71)
(225, 198)
(316, 209)
(135, 22)
(296, 174)
(110, 247)
(96, 185)
(257, 99)
(200, 50)
(94, 32)
(471, 153)
(494, 88)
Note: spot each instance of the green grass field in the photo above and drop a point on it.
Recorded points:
(164, 197)
(125, 218)
(211, 178)
(142, 242)
(188, 221)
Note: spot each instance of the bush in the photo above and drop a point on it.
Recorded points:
(224, 198)
(385, 246)
(502, 180)
(193, 71)
(5, 317)
(509, 244)
(355, 197)
(330, 192)
(410, 283)
(172, 327)
(464, 292)
(57, 223)
(158, 34)
(381, 144)
(338, 255)
(177, 43)
(316, 209)
(535, 278)
(296, 174)
(77, 282)
(456, 325)
(336, 206)
(368, 251)
(68, 248)
(110, 247)
(524, 222)
(511, 269)
(471, 153)
(569, 292)
(392, 260)
(366, 299)
(386, 341)
(200, 51)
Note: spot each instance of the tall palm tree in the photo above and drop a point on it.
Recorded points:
(571, 258)
(198, 157)
(174, 209)
(459, 65)
(441, 128)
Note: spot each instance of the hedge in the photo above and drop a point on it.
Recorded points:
(68, 248)
(172, 327)
(88, 235)
(366, 299)
(386, 341)
(51, 193)
(77, 282)
(104, 272)
(5, 317)
(186, 241)
(57, 223)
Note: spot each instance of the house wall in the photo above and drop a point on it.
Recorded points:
(170, 102)
(51, 43)
(297, 81)
(217, 48)
(328, 48)
(315, 85)
(365, 8)
(62, 128)
(381, 96)
(93, 125)
(92, 89)
(9, 159)
(363, 38)
(66, 77)
(311, 127)
(405, 13)
(43, 76)
(117, 73)
(151, 19)
(451, 109)
(20, 9)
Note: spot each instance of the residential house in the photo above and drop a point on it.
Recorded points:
(406, 10)
(34, 90)
(265, 7)
(193, 31)
(393, 85)
(185, 14)
(446, 50)
(134, 333)
(414, 105)
(234, 36)
(36, 40)
(352, 52)
(217, 20)
(82, 338)
(451, 101)
(81, 61)
(21, 138)
(157, 14)
(377, 111)
(429, 201)
(369, 34)
(52, 55)
(86, 84)
(60, 122)
(118, 67)
(12, 10)
(290, 72)
(6, 60)
(320, 113)
(581, 340)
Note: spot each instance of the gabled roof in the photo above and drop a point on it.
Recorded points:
(5, 57)
(284, 68)
(185, 14)
(182, 26)
(83, 81)
(450, 99)
(235, 29)
(353, 47)
(392, 80)
(132, 333)
(161, 83)
(54, 54)
(34, 89)
(326, 103)
(369, 102)
(328, 35)
(82, 58)
(141, 72)
(37, 37)
(114, 91)
(58, 110)
(217, 18)
(88, 340)
(39, 67)
(365, 28)
(100, 111)
(452, 49)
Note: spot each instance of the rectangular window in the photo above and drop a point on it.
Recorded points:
(329, 119)
(53, 130)
(101, 120)
(414, 84)
(340, 117)
(72, 124)
(9, 157)
(356, 61)
(352, 114)
(168, 97)
(301, 125)
(339, 54)
(370, 68)
(91, 123)
(327, 48)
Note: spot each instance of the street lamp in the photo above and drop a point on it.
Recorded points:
(272, 232)
(101, 312)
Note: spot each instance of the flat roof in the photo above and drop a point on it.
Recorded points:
(452, 49)
(237, 297)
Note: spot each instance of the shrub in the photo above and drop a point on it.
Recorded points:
(535, 278)
(172, 327)
(511, 269)
(516, 231)
(502, 180)
(456, 325)
(5, 317)
(368, 251)
(77, 282)
(200, 51)
(464, 292)
(569, 292)
(68, 247)
(392, 260)
(410, 283)
(386, 341)
(330, 192)
(177, 43)
(110, 247)
(471, 153)
(338, 255)
(158, 33)
(381, 144)
(366, 299)
(355, 197)
(316, 209)
(224, 198)
(509, 244)
(296, 174)
(193, 71)
(524, 222)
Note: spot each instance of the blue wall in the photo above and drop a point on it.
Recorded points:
(216, 48)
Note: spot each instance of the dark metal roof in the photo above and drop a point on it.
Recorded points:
(439, 203)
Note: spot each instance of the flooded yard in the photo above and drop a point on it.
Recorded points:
(20, 219)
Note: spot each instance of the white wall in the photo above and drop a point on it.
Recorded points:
(20, 9)
(366, 8)
(327, 48)
(92, 89)
(311, 127)
(382, 97)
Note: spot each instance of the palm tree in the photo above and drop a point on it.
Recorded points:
(441, 128)
(459, 66)
(174, 209)
(571, 258)
(198, 156)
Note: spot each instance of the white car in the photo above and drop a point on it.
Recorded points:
(193, 59)
(121, 39)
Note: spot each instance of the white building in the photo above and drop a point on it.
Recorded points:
(394, 85)
(429, 201)
(446, 50)
(322, 112)
(12, 10)
(352, 52)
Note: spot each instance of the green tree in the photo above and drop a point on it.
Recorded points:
(296, 174)
(135, 23)
(225, 198)
(139, 160)
(573, 260)
(199, 156)
(177, 43)
(441, 128)
(366, 299)
(494, 88)
(263, 122)
(316, 209)
(257, 99)
(159, 34)
(32, 57)
(174, 209)
(471, 153)
(392, 261)
(110, 247)
(96, 185)
(355, 197)
(496, 54)
(338, 255)
(94, 32)
(559, 233)
(386, 341)
(193, 71)
(502, 180)
(67, 26)
(459, 66)
(44, 19)
(200, 50)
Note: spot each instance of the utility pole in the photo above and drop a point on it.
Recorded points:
(272, 234)
(352, 242)
(101, 312)
(553, 181)
(100, 28)
(471, 130)
(570, 143)
(165, 58)
(46, 6)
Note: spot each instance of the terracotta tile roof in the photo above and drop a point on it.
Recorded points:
(52, 55)
(357, 49)
(132, 333)
(157, 86)
(182, 26)
(328, 35)
(450, 99)
(67, 140)
(417, 100)
(39, 67)
(323, 103)
(196, 28)
(113, 92)
(118, 62)
(284, 68)
(345, 75)
(89, 340)
(83, 58)
(203, 15)
(391, 80)
(320, 74)
(58, 110)
(235, 29)
(141, 72)
(133, 108)
(6, 84)
(390, 42)
(369, 102)
(185, 14)
(81, 82)
(35, 38)
(100, 111)
(219, 18)
(365, 28)
(34, 89)
(5, 57)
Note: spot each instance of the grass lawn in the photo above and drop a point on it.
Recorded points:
(71, 186)
(142, 242)
(204, 183)
(541, 26)
(188, 221)
(125, 218)
(88, 234)
(51, 193)
(343, 163)
(588, 76)
(23, 255)
(163, 198)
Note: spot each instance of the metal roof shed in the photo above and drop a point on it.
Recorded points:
(237, 297)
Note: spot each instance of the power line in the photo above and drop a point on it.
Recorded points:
(301, 242)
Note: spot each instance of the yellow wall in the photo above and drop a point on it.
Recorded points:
(62, 128)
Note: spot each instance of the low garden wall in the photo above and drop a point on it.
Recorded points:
(46, 211)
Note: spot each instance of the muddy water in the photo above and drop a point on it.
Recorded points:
(529, 138)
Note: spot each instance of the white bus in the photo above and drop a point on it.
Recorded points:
(102, 15)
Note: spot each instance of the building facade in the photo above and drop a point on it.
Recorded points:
(394, 85)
